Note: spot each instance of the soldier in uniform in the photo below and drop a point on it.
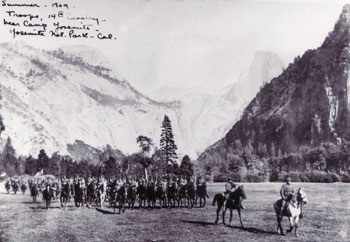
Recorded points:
(230, 186)
(286, 192)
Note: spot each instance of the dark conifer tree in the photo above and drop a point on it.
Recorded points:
(167, 142)
(8, 158)
(44, 161)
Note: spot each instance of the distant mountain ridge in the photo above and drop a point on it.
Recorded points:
(54, 100)
(210, 116)
(304, 106)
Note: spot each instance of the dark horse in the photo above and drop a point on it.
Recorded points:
(121, 195)
(48, 194)
(15, 187)
(171, 195)
(131, 196)
(34, 191)
(91, 194)
(191, 194)
(151, 195)
(202, 195)
(142, 194)
(78, 194)
(65, 194)
(23, 188)
(8, 186)
(233, 202)
(160, 194)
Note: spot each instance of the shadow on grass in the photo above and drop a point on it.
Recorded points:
(248, 229)
(254, 230)
(104, 211)
(37, 208)
(203, 223)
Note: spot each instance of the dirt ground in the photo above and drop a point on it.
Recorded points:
(327, 218)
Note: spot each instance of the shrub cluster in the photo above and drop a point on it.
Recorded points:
(313, 176)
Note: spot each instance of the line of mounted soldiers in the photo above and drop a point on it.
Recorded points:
(121, 193)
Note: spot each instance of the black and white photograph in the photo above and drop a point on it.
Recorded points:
(174, 120)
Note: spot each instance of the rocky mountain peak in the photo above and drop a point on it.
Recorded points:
(345, 15)
(305, 106)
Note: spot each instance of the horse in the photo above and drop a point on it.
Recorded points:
(23, 188)
(15, 187)
(202, 194)
(191, 194)
(131, 196)
(90, 194)
(48, 194)
(34, 191)
(101, 193)
(151, 195)
(8, 187)
(57, 190)
(142, 194)
(160, 194)
(293, 210)
(233, 202)
(171, 195)
(64, 194)
(120, 198)
(78, 194)
(182, 196)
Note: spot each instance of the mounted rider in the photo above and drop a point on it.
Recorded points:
(230, 187)
(286, 192)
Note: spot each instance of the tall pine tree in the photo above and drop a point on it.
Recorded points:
(167, 142)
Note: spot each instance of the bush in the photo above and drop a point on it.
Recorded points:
(295, 176)
(207, 178)
(327, 178)
(345, 178)
(321, 176)
(273, 176)
(237, 177)
(304, 178)
(336, 177)
(282, 176)
(255, 178)
(220, 178)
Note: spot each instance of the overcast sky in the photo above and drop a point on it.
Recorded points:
(205, 43)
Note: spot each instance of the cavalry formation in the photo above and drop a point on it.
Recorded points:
(117, 193)
(170, 193)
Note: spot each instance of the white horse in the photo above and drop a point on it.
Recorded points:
(293, 211)
(101, 192)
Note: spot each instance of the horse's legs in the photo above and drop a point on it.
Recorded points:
(223, 215)
(290, 219)
(240, 217)
(279, 226)
(230, 217)
(217, 213)
(296, 225)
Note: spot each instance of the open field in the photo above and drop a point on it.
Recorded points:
(327, 218)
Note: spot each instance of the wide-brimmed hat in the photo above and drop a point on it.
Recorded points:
(288, 178)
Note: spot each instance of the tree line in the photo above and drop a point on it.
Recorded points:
(327, 162)
(149, 160)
